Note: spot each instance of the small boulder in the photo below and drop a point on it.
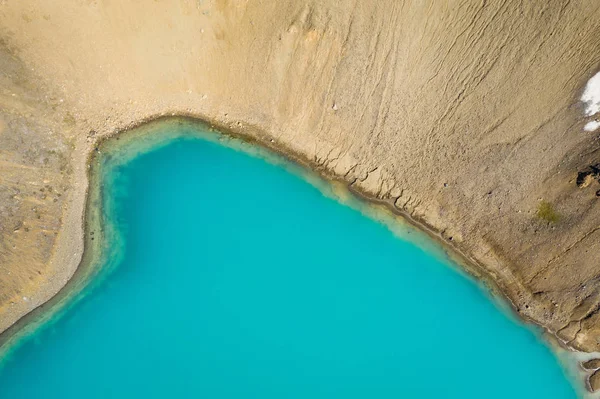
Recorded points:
(584, 179)
(595, 381)
(592, 364)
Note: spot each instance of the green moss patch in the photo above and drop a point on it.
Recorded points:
(546, 212)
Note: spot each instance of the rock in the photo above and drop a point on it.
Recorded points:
(569, 332)
(584, 179)
(592, 364)
(595, 381)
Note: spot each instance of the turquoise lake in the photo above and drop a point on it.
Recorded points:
(238, 279)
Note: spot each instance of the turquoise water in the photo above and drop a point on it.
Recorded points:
(241, 280)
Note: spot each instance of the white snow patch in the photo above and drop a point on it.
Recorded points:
(591, 126)
(591, 95)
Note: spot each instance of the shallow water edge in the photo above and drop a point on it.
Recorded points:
(130, 142)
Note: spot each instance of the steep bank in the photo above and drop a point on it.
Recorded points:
(465, 116)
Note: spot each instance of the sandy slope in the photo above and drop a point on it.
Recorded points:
(464, 115)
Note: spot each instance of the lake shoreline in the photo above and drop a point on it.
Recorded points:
(84, 274)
